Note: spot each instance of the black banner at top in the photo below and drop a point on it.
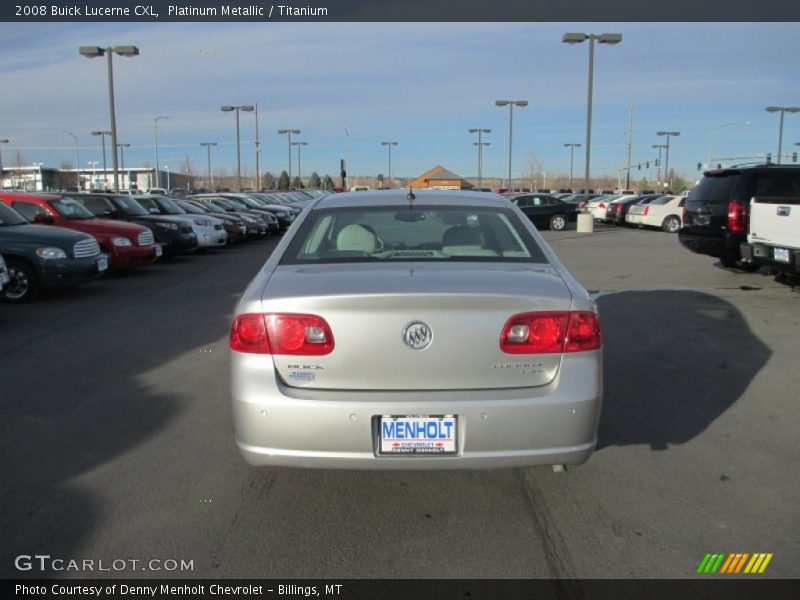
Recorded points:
(401, 10)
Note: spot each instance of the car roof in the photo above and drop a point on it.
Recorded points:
(421, 197)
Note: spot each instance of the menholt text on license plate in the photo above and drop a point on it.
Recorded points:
(418, 434)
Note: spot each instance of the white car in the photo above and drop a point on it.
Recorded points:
(664, 213)
(5, 278)
(209, 229)
(597, 206)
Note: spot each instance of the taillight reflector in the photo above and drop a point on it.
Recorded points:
(291, 334)
(618, 208)
(551, 332)
(646, 210)
(737, 218)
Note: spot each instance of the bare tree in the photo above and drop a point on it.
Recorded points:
(534, 168)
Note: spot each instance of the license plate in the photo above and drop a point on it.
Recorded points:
(159, 251)
(781, 254)
(417, 434)
(102, 264)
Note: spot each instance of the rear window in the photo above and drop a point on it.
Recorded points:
(402, 233)
(716, 189)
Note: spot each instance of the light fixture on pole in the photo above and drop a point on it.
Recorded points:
(480, 144)
(122, 161)
(208, 146)
(258, 154)
(571, 160)
(660, 148)
(166, 168)
(103, 135)
(299, 170)
(245, 108)
(155, 146)
(578, 38)
(2, 174)
(669, 134)
(389, 145)
(94, 52)
(290, 132)
(511, 104)
(782, 110)
(712, 134)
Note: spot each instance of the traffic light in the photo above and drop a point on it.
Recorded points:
(639, 167)
(647, 165)
(655, 162)
(769, 158)
(699, 166)
(794, 156)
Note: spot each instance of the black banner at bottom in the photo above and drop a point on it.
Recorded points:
(411, 589)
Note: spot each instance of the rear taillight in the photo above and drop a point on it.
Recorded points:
(551, 332)
(601, 205)
(302, 335)
(618, 208)
(737, 218)
(646, 210)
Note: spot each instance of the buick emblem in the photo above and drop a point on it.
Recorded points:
(417, 335)
(783, 211)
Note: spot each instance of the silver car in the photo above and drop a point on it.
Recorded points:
(424, 330)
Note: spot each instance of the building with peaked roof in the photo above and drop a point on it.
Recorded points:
(440, 178)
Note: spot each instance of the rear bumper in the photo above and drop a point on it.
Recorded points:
(724, 245)
(281, 426)
(765, 254)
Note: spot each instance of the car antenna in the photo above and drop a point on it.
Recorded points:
(410, 196)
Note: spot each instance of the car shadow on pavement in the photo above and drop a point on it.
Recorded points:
(674, 362)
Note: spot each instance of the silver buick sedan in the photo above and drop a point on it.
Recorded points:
(415, 330)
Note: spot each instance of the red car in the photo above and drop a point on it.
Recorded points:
(127, 244)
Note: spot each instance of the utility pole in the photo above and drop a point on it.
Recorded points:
(630, 145)
(258, 151)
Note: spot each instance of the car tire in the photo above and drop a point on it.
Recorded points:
(732, 263)
(671, 224)
(558, 222)
(24, 284)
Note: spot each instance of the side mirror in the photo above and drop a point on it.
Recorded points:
(44, 219)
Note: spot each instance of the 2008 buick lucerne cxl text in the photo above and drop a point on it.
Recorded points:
(415, 330)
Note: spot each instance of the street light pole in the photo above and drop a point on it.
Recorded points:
(103, 135)
(782, 110)
(290, 132)
(571, 160)
(122, 156)
(389, 145)
(668, 134)
(94, 52)
(577, 38)
(155, 146)
(511, 104)
(299, 170)
(77, 155)
(208, 148)
(2, 174)
(660, 148)
(246, 108)
(480, 144)
(258, 152)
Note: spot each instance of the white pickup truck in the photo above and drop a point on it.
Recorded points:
(774, 237)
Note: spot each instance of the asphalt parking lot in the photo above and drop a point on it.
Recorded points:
(117, 438)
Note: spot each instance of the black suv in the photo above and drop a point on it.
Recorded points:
(718, 208)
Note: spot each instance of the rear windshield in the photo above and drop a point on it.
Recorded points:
(9, 216)
(401, 233)
(776, 183)
(715, 189)
(663, 200)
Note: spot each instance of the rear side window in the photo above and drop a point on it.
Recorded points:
(716, 189)
(775, 183)
(97, 206)
(29, 210)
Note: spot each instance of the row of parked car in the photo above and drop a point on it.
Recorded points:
(57, 240)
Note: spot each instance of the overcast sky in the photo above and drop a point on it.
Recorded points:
(420, 84)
